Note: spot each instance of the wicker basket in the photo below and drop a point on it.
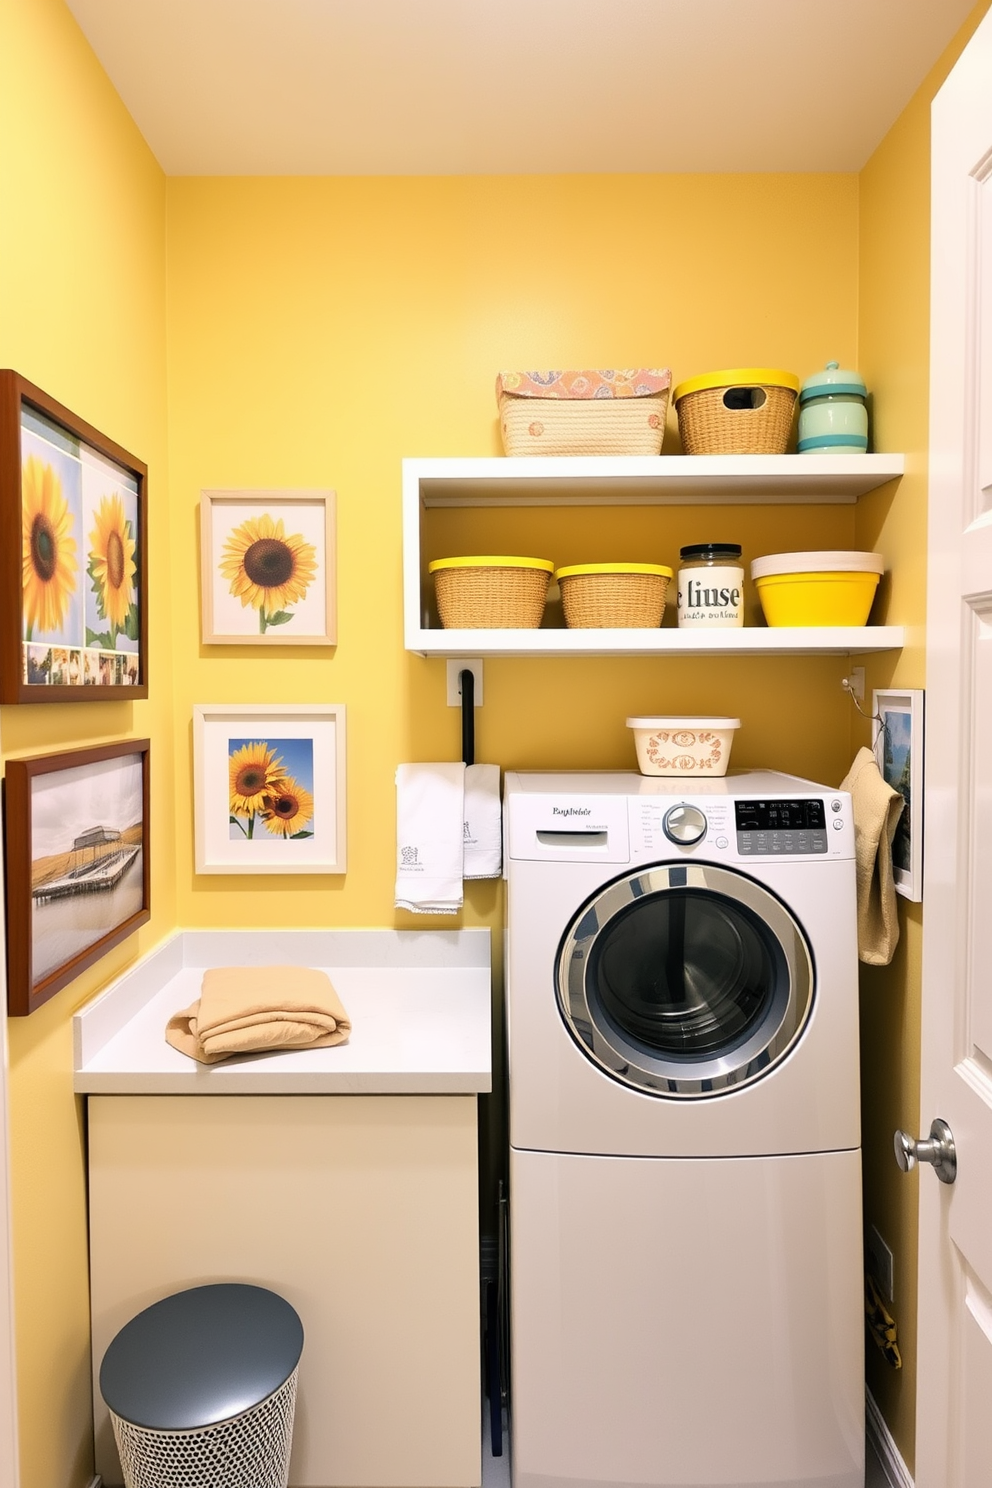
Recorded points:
(605, 596)
(746, 411)
(583, 413)
(491, 593)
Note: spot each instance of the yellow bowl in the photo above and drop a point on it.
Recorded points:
(817, 598)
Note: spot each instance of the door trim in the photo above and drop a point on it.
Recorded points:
(884, 1443)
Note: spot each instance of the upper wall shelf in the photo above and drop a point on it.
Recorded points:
(696, 480)
(711, 480)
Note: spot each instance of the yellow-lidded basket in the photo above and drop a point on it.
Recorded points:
(740, 411)
(614, 595)
(493, 592)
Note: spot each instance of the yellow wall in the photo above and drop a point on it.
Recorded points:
(82, 314)
(320, 330)
(894, 335)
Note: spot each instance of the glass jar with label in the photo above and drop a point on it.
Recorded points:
(711, 586)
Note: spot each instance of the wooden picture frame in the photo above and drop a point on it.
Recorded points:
(76, 825)
(269, 790)
(897, 739)
(73, 520)
(268, 568)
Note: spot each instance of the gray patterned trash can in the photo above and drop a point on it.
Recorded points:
(201, 1389)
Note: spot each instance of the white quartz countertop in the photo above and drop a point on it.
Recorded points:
(418, 1000)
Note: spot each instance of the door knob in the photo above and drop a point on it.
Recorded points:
(937, 1149)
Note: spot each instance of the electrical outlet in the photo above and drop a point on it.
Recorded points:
(454, 670)
(855, 683)
(880, 1263)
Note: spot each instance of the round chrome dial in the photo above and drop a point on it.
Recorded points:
(684, 825)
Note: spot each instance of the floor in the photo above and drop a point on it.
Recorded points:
(496, 1470)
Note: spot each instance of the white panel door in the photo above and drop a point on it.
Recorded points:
(954, 1415)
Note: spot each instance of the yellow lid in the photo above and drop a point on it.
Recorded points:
(738, 377)
(491, 561)
(615, 568)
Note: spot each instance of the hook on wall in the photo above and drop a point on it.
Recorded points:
(853, 694)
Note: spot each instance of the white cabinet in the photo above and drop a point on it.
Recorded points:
(676, 480)
(360, 1210)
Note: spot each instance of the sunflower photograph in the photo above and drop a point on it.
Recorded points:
(78, 574)
(51, 511)
(269, 790)
(270, 785)
(112, 568)
(266, 576)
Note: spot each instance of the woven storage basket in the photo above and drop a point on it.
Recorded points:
(491, 593)
(614, 595)
(745, 411)
(583, 413)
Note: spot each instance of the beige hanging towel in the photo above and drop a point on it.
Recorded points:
(877, 808)
(245, 1009)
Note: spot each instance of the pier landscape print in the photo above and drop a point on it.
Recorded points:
(87, 841)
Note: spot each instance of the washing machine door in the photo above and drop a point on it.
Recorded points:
(685, 981)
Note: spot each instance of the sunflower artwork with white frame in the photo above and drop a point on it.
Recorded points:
(269, 788)
(267, 568)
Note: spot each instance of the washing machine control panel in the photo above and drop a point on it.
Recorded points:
(780, 828)
(741, 828)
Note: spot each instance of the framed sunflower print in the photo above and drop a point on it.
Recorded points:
(269, 788)
(268, 568)
(78, 865)
(73, 556)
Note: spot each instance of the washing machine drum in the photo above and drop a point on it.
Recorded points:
(685, 981)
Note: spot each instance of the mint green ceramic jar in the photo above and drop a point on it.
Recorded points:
(833, 418)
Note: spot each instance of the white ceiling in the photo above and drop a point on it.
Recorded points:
(439, 87)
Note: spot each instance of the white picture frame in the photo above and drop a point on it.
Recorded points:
(269, 788)
(897, 741)
(268, 568)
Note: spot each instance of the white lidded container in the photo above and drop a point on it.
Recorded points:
(683, 746)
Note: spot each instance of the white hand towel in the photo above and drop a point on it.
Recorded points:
(483, 822)
(430, 827)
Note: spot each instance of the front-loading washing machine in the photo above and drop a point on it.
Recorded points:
(685, 1171)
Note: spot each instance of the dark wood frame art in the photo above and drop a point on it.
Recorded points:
(14, 392)
(22, 997)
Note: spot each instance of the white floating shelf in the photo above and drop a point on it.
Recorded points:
(848, 640)
(704, 480)
(683, 480)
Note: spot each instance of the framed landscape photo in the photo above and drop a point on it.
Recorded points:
(78, 864)
(898, 745)
(268, 568)
(73, 556)
(269, 788)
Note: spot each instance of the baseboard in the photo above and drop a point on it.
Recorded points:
(882, 1440)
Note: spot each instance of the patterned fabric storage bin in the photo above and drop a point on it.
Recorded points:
(583, 413)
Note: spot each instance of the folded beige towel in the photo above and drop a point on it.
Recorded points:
(877, 808)
(242, 1009)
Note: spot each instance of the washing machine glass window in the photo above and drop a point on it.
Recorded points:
(685, 981)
